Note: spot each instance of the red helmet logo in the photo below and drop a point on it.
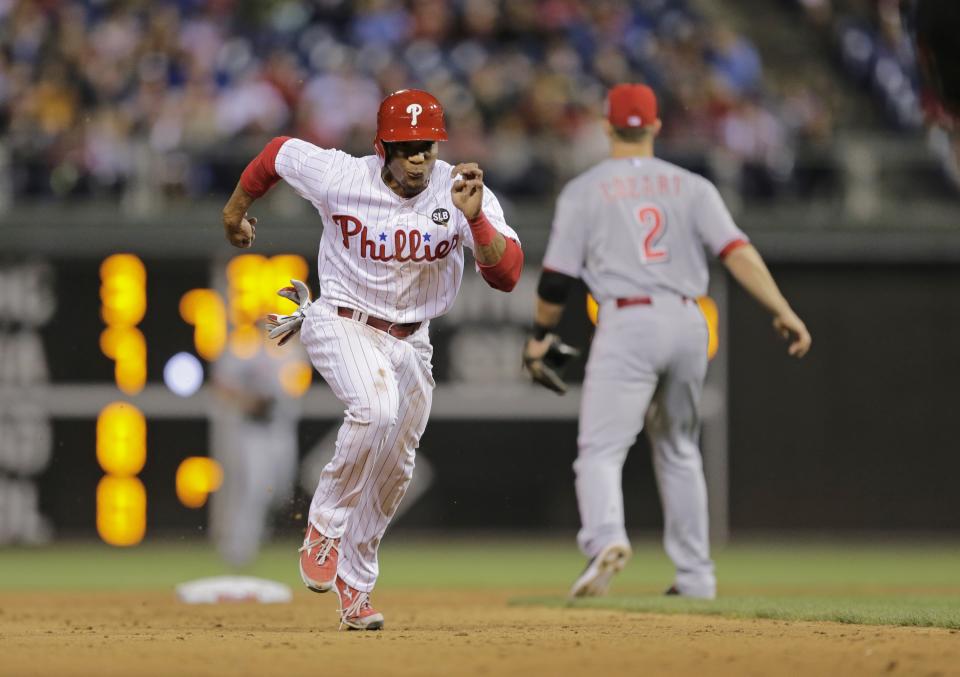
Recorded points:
(409, 115)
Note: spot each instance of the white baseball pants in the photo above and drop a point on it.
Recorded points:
(647, 361)
(386, 385)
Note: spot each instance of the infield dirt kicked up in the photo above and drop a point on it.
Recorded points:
(449, 632)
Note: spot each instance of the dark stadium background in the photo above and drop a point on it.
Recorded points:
(810, 116)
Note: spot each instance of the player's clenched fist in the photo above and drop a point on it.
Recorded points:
(467, 191)
(241, 233)
(240, 229)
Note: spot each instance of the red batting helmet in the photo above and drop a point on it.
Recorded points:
(409, 115)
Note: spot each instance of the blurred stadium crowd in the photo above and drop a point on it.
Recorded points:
(877, 50)
(90, 88)
(93, 92)
(877, 44)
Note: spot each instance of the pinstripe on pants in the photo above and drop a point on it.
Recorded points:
(386, 385)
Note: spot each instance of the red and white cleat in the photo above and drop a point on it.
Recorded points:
(355, 610)
(318, 560)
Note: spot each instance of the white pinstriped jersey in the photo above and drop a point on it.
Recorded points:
(400, 259)
(635, 226)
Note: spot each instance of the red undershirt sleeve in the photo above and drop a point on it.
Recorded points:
(504, 274)
(261, 174)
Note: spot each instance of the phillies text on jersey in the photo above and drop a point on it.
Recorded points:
(409, 245)
(400, 259)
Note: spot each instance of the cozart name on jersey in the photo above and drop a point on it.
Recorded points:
(406, 244)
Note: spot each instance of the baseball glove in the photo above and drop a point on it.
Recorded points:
(547, 370)
(285, 327)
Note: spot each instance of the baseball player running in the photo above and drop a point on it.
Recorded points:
(391, 259)
(634, 228)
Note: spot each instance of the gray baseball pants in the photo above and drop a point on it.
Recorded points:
(647, 362)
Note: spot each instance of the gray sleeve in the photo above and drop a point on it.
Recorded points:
(228, 369)
(713, 222)
(567, 249)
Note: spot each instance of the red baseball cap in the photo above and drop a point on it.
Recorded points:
(631, 106)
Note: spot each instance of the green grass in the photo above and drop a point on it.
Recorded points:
(852, 582)
(941, 611)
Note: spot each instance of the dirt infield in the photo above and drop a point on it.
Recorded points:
(442, 633)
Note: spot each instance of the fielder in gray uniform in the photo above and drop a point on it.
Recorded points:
(254, 439)
(635, 228)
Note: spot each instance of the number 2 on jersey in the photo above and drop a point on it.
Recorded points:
(652, 227)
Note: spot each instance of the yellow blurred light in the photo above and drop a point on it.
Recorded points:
(295, 378)
(130, 376)
(244, 280)
(253, 281)
(243, 270)
(121, 510)
(123, 292)
(123, 264)
(205, 310)
(123, 343)
(246, 341)
(712, 315)
(245, 308)
(593, 309)
(127, 347)
(197, 478)
(121, 439)
(280, 270)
